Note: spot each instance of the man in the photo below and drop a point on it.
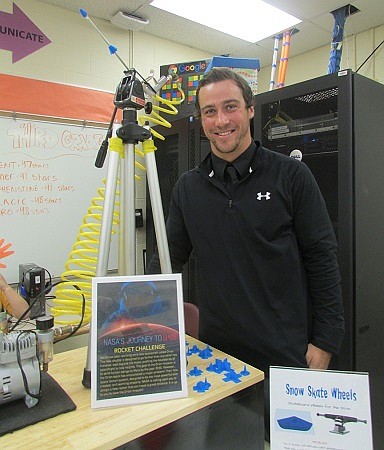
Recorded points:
(266, 252)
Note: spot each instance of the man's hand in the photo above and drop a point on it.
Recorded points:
(317, 358)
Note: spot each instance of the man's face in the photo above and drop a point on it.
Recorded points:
(225, 119)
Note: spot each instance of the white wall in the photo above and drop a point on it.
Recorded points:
(79, 56)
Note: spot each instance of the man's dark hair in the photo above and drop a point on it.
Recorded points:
(221, 74)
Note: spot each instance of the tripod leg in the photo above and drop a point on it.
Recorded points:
(107, 217)
(105, 234)
(127, 207)
(157, 207)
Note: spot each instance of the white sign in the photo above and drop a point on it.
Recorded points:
(138, 340)
(319, 409)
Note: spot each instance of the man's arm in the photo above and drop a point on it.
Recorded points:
(318, 248)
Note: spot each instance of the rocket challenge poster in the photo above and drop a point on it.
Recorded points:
(138, 340)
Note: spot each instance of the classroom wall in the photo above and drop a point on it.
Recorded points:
(78, 56)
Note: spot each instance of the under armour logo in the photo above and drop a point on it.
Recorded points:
(267, 196)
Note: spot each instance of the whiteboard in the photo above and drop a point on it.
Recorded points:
(48, 179)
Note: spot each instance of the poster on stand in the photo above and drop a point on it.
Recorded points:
(138, 340)
(319, 409)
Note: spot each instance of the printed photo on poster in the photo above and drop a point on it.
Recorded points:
(138, 340)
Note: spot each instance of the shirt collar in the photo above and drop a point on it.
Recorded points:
(242, 163)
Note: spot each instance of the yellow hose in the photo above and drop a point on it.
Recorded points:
(155, 116)
(80, 267)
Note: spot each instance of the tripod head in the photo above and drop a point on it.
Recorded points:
(129, 97)
(130, 92)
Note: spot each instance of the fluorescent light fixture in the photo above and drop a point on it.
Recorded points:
(250, 20)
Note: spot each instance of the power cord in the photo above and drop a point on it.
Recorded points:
(367, 58)
(43, 292)
(18, 356)
(47, 289)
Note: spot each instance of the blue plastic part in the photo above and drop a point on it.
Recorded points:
(294, 423)
(211, 368)
(232, 376)
(226, 364)
(194, 349)
(206, 353)
(202, 386)
(83, 12)
(220, 366)
(245, 372)
(195, 372)
(112, 49)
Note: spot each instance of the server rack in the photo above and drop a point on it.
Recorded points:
(335, 123)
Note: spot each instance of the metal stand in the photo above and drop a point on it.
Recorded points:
(130, 98)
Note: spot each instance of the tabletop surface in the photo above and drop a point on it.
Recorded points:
(110, 427)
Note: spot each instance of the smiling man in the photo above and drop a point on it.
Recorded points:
(269, 282)
(226, 116)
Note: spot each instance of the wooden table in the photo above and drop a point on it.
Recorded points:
(228, 415)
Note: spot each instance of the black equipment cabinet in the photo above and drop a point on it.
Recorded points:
(184, 147)
(336, 122)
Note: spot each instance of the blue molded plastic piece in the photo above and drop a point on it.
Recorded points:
(112, 49)
(195, 372)
(206, 353)
(222, 365)
(202, 386)
(211, 368)
(194, 349)
(294, 423)
(245, 372)
(232, 376)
